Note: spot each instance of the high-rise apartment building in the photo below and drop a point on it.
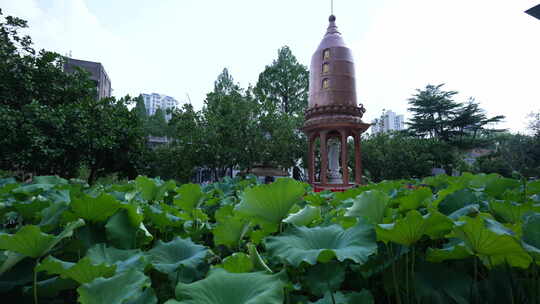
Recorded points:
(155, 101)
(389, 121)
(97, 74)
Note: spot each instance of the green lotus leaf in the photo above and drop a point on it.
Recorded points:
(123, 259)
(222, 287)
(153, 189)
(258, 262)
(31, 209)
(57, 196)
(467, 210)
(190, 196)
(370, 205)
(323, 278)
(94, 209)
(119, 289)
(491, 241)
(497, 186)
(457, 200)
(302, 244)
(52, 287)
(83, 271)
(39, 184)
(533, 187)
(230, 231)
(230, 228)
(122, 234)
(134, 212)
(148, 296)
(305, 216)
(413, 226)
(179, 257)
(415, 199)
(52, 215)
(161, 219)
(315, 199)
(451, 251)
(270, 203)
(238, 262)
(31, 242)
(9, 259)
(362, 297)
(531, 235)
(512, 212)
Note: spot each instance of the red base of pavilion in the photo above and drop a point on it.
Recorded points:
(318, 187)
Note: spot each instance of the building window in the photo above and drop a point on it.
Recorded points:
(326, 54)
(325, 68)
(325, 83)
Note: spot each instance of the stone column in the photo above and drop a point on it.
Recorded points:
(311, 158)
(357, 159)
(334, 176)
(324, 158)
(344, 157)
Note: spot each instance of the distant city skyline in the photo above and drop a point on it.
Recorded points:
(389, 121)
(155, 101)
(483, 49)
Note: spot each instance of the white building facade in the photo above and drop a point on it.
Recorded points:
(155, 101)
(389, 121)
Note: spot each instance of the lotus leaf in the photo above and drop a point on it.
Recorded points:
(123, 259)
(238, 262)
(119, 289)
(222, 287)
(491, 241)
(413, 226)
(95, 209)
(84, 271)
(322, 278)
(302, 244)
(305, 216)
(512, 212)
(370, 205)
(179, 258)
(189, 197)
(30, 241)
(270, 203)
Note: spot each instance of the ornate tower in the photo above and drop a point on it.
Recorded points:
(333, 114)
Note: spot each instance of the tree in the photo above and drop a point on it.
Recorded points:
(437, 115)
(282, 96)
(140, 108)
(513, 153)
(157, 124)
(284, 84)
(396, 155)
(179, 159)
(227, 119)
(433, 112)
(51, 120)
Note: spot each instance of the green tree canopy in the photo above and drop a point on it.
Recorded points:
(282, 94)
(437, 115)
(51, 120)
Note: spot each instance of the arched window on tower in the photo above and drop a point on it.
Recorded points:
(325, 83)
(325, 68)
(326, 54)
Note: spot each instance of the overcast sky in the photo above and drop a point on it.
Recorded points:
(488, 49)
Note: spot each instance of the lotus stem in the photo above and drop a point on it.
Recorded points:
(396, 290)
(35, 283)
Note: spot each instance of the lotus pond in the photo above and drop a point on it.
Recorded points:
(466, 239)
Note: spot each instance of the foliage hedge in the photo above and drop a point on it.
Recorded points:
(466, 239)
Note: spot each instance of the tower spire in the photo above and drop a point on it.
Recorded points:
(332, 7)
